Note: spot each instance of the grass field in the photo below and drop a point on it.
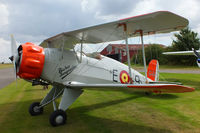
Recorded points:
(106, 110)
(6, 66)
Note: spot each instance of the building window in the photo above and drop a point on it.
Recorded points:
(124, 53)
(109, 49)
(116, 50)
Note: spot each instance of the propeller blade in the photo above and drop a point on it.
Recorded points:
(13, 46)
(14, 56)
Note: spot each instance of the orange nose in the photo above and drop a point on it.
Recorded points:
(32, 61)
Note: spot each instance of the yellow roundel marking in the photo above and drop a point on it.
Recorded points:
(124, 77)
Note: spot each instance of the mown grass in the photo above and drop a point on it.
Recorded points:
(2, 66)
(106, 110)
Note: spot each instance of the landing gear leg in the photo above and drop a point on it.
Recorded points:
(59, 117)
(36, 108)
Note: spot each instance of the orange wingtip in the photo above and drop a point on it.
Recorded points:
(164, 88)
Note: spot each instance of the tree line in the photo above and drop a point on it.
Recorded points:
(185, 40)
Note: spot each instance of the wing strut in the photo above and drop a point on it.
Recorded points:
(143, 54)
(81, 50)
(127, 49)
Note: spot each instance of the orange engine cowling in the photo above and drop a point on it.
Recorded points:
(32, 61)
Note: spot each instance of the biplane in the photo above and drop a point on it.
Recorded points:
(193, 52)
(55, 62)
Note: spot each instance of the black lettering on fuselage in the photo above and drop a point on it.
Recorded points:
(65, 71)
(115, 75)
(137, 79)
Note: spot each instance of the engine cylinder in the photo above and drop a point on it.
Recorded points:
(32, 61)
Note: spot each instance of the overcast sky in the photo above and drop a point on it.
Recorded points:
(36, 20)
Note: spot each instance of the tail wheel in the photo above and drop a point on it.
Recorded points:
(35, 109)
(58, 118)
(148, 93)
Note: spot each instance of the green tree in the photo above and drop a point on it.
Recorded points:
(153, 51)
(185, 40)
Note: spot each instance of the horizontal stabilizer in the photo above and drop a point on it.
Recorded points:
(165, 82)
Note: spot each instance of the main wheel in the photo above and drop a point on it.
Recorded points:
(58, 118)
(34, 109)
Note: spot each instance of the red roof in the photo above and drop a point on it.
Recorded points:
(130, 46)
(120, 49)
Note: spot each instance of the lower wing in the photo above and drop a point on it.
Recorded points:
(157, 88)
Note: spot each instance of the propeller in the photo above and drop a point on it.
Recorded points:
(15, 57)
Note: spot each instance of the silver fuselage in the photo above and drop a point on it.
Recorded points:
(68, 66)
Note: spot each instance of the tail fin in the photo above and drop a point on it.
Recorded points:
(153, 70)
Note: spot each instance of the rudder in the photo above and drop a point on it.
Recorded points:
(153, 70)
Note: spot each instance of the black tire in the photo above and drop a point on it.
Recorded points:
(148, 93)
(33, 110)
(58, 118)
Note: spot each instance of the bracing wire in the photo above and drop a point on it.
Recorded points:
(156, 50)
(150, 47)
(136, 58)
(114, 30)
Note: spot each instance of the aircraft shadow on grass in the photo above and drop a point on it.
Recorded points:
(163, 96)
(32, 90)
(79, 114)
(104, 122)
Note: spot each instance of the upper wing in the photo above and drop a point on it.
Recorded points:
(181, 53)
(157, 88)
(157, 22)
